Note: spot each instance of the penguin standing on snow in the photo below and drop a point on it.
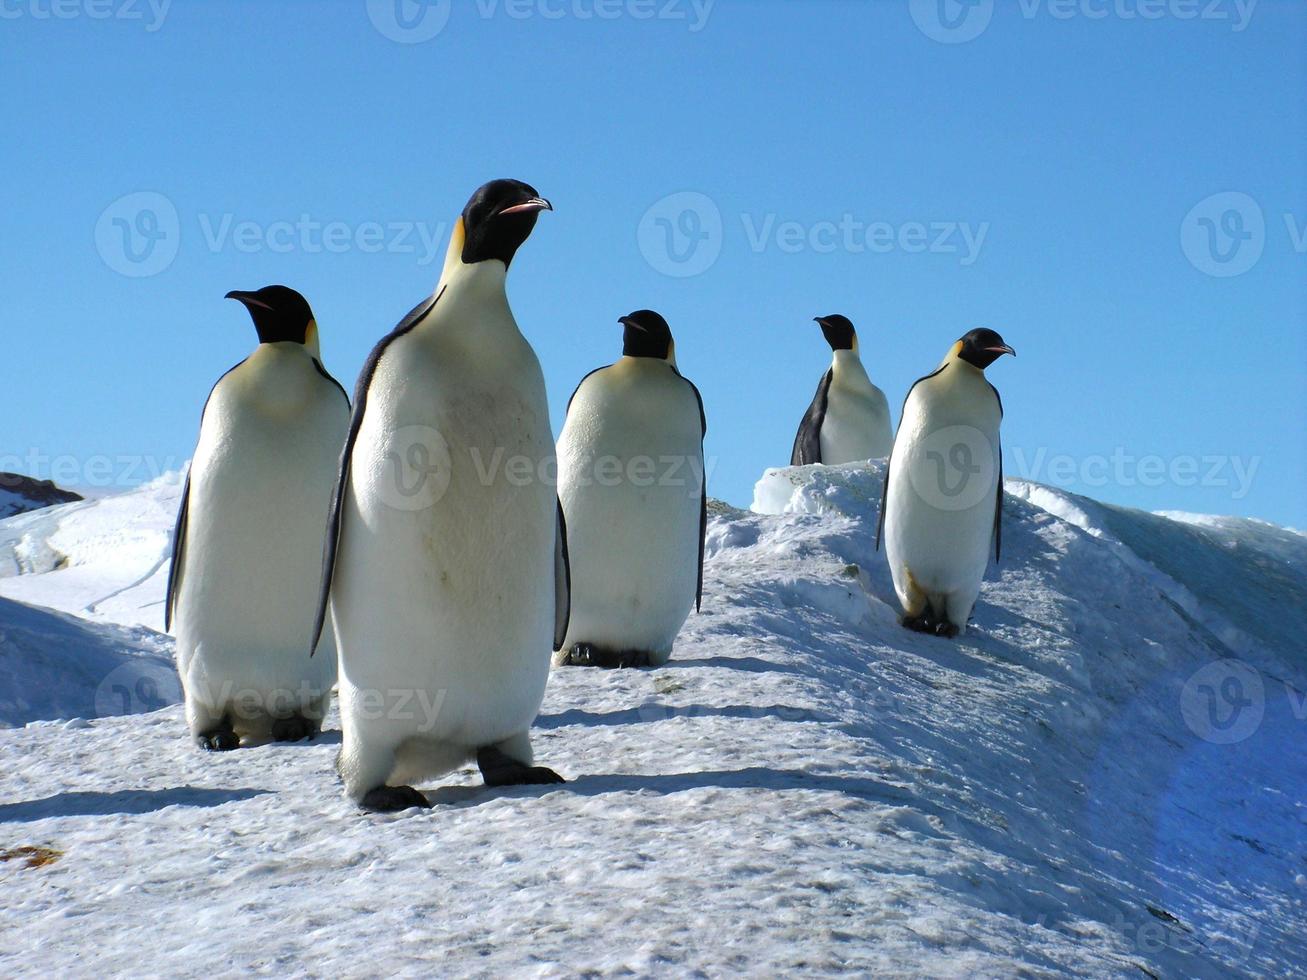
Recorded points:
(848, 419)
(446, 570)
(247, 549)
(631, 482)
(943, 499)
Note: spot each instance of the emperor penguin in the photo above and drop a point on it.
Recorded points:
(247, 549)
(942, 505)
(446, 565)
(632, 484)
(848, 419)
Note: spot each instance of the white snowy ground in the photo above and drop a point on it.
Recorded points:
(105, 558)
(805, 788)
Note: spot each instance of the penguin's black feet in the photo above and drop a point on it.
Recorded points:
(919, 624)
(219, 740)
(296, 728)
(945, 629)
(589, 655)
(392, 799)
(498, 769)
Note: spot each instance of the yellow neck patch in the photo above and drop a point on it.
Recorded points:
(311, 338)
(454, 255)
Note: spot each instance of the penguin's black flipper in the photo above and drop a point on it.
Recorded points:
(807, 444)
(703, 494)
(562, 582)
(175, 562)
(998, 509)
(998, 497)
(332, 543)
(884, 499)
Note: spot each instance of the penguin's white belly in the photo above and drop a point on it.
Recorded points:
(630, 480)
(943, 479)
(443, 594)
(259, 503)
(856, 425)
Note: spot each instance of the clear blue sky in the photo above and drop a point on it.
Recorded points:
(838, 142)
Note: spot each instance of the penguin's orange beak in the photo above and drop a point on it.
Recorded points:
(1002, 349)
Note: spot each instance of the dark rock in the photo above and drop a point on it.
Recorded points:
(19, 494)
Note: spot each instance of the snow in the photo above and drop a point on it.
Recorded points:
(106, 559)
(806, 787)
(56, 666)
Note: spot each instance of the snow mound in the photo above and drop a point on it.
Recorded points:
(55, 666)
(106, 559)
(850, 489)
(1087, 782)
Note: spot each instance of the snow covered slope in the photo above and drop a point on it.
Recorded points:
(54, 666)
(1087, 781)
(106, 559)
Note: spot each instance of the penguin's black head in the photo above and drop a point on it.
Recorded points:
(498, 219)
(982, 347)
(838, 330)
(647, 335)
(279, 313)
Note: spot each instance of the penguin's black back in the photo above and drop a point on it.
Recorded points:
(807, 444)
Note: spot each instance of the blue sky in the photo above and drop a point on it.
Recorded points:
(1119, 187)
